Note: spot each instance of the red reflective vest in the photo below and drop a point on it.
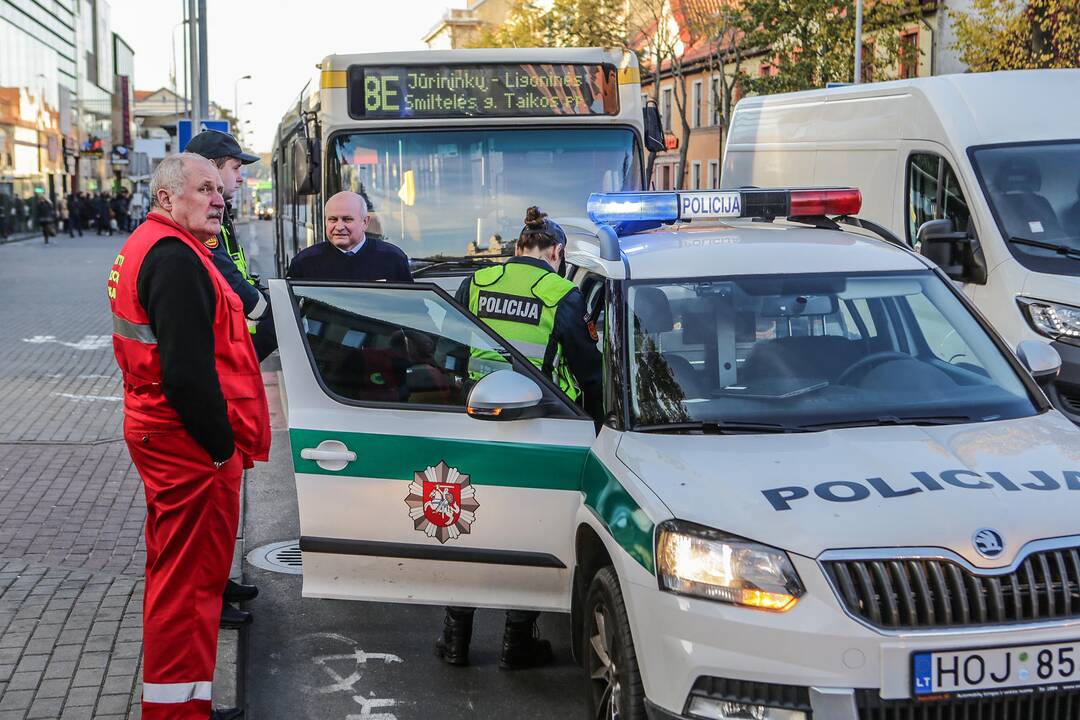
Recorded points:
(137, 351)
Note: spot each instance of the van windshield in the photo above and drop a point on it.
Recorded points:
(1034, 192)
(455, 193)
(806, 352)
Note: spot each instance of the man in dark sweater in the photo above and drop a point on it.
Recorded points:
(348, 254)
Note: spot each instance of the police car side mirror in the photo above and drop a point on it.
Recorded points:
(1040, 359)
(505, 395)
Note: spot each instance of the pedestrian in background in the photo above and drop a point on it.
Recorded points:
(101, 213)
(46, 218)
(137, 208)
(195, 416)
(119, 211)
(63, 216)
(74, 208)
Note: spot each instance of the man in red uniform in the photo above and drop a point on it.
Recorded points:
(195, 416)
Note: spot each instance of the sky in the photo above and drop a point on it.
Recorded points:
(277, 42)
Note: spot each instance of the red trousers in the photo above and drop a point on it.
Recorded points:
(192, 512)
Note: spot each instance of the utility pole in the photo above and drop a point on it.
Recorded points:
(204, 74)
(194, 70)
(858, 41)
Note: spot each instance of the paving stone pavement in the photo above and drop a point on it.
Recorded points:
(71, 504)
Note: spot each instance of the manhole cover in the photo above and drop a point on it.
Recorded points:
(282, 557)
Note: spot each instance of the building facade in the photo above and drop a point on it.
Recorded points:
(462, 27)
(927, 40)
(57, 103)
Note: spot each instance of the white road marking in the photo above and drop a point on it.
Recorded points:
(89, 398)
(88, 342)
(347, 683)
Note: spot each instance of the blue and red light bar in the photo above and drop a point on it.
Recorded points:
(669, 207)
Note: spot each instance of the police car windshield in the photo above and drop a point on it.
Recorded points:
(458, 193)
(812, 351)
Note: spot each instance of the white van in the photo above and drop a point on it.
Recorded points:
(980, 172)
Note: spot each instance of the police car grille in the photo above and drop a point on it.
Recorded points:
(916, 593)
(1059, 705)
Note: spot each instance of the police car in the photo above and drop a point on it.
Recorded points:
(824, 488)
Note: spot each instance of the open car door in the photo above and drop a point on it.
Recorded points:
(403, 496)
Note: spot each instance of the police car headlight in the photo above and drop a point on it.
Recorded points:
(1051, 319)
(706, 563)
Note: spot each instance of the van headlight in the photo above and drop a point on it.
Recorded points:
(1051, 319)
(706, 563)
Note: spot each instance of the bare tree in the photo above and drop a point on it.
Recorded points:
(655, 34)
(717, 26)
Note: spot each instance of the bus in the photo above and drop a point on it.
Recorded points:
(449, 148)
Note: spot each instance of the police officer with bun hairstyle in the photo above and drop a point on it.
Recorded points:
(542, 314)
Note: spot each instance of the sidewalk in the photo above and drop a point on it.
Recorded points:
(71, 504)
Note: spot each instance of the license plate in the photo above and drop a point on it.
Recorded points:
(986, 670)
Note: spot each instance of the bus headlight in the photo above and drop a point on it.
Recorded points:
(1051, 319)
(706, 563)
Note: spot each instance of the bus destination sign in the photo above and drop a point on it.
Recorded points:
(499, 90)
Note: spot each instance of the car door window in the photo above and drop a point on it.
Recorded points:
(389, 345)
(934, 193)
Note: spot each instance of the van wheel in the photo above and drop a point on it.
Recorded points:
(615, 689)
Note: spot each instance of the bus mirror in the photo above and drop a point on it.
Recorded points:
(654, 128)
(306, 166)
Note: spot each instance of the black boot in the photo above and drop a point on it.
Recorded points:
(236, 592)
(233, 618)
(227, 714)
(453, 645)
(522, 646)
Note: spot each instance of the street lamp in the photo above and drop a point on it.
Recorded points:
(236, 103)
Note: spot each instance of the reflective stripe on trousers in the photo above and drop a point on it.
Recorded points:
(172, 693)
(133, 331)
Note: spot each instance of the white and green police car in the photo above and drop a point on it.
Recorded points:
(824, 487)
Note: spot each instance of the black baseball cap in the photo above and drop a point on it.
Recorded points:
(214, 144)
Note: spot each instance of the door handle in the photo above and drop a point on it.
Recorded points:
(329, 455)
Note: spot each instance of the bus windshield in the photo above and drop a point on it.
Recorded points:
(457, 193)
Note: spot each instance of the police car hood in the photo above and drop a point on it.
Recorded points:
(873, 487)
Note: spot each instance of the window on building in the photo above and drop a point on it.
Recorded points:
(696, 173)
(714, 175)
(695, 111)
(665, 177)
(909, 54)
(867, 62)
(665, 109)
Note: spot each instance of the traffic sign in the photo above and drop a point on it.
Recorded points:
(183, 129)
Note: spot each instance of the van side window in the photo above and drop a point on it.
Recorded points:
(934, 193)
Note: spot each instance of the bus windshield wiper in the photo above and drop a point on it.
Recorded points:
(891, 420)
(719, 427)
(442, 261)
(1065, 250)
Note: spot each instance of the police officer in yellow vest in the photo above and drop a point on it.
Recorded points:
(541, 314)
(228, 255)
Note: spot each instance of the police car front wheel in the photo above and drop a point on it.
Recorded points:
(615, 689)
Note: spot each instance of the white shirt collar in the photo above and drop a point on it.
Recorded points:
(353, 251)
